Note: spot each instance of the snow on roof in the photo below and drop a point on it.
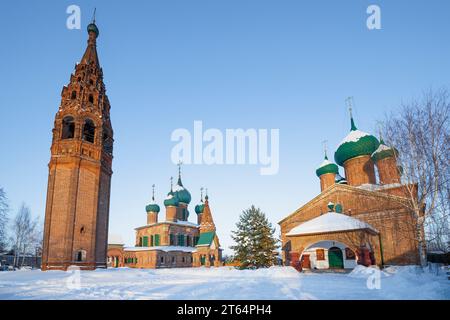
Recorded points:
(330, 222)
(169, 196)
(180, 223)
(354, 136)
(325, 163)
(377, 187)
(381, 147)
(115, 239)
(161, 248)
(177, 187)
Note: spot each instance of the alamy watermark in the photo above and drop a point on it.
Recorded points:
(232, 147)
(74, 19)
(373, 22)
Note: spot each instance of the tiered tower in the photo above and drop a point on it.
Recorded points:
(80, 169)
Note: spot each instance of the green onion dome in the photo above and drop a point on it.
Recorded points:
(92, 27)
(384, 152)
(182, 193)
(356, 143)
(327, 167)
(152, 207)
(171, 200)
(330, 206)
(199, 208)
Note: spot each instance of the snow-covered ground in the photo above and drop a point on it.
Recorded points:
(225, 283)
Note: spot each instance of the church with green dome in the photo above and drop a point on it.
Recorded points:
(357, 218)
(175, 241)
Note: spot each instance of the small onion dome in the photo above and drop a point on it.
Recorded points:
(330, 206)
(171, 200)
(182, 193)
(384, 152)
(152, 207)
(338, 208)
(356, 143)
(92, 27)
(199, 208)
(327, 167)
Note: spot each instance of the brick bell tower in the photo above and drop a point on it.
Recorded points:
(79, 180)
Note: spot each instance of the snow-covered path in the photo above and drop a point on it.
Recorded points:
(223, 283)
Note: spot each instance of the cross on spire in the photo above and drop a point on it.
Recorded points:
(93, 16)
(350, 103)
(179, 173)
(153, 192)
(324, 143)
(201, 194)
(171, 184)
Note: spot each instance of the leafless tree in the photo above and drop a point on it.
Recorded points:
(420, 132)
(24, 234)
(4, 210)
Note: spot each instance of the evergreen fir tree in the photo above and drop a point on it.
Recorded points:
(255, 241)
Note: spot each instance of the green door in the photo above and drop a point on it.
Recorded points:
(202, 260)
(335, 259)
(145, 242)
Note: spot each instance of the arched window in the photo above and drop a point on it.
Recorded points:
(89, 131)
(74, 95)
(91, 98)
(68, 128)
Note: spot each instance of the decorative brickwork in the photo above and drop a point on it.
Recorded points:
(79, 181)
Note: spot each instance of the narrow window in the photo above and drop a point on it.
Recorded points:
(91, 98)
(89, 131)
(80, 255)
(68, 128)
(73, 96)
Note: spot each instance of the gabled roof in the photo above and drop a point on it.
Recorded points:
(330, 222)
(206, 238)
(344, 187)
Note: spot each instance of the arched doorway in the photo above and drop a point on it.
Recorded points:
(335, 258)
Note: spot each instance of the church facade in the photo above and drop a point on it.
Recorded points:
(79, 179)
(361, 218)
(173, 242)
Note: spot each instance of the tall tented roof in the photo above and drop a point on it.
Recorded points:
(330, 222)
(90, 55)
(207, 222)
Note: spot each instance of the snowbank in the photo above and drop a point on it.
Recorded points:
(222, 283)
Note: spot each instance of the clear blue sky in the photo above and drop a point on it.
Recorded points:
(230, 63)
